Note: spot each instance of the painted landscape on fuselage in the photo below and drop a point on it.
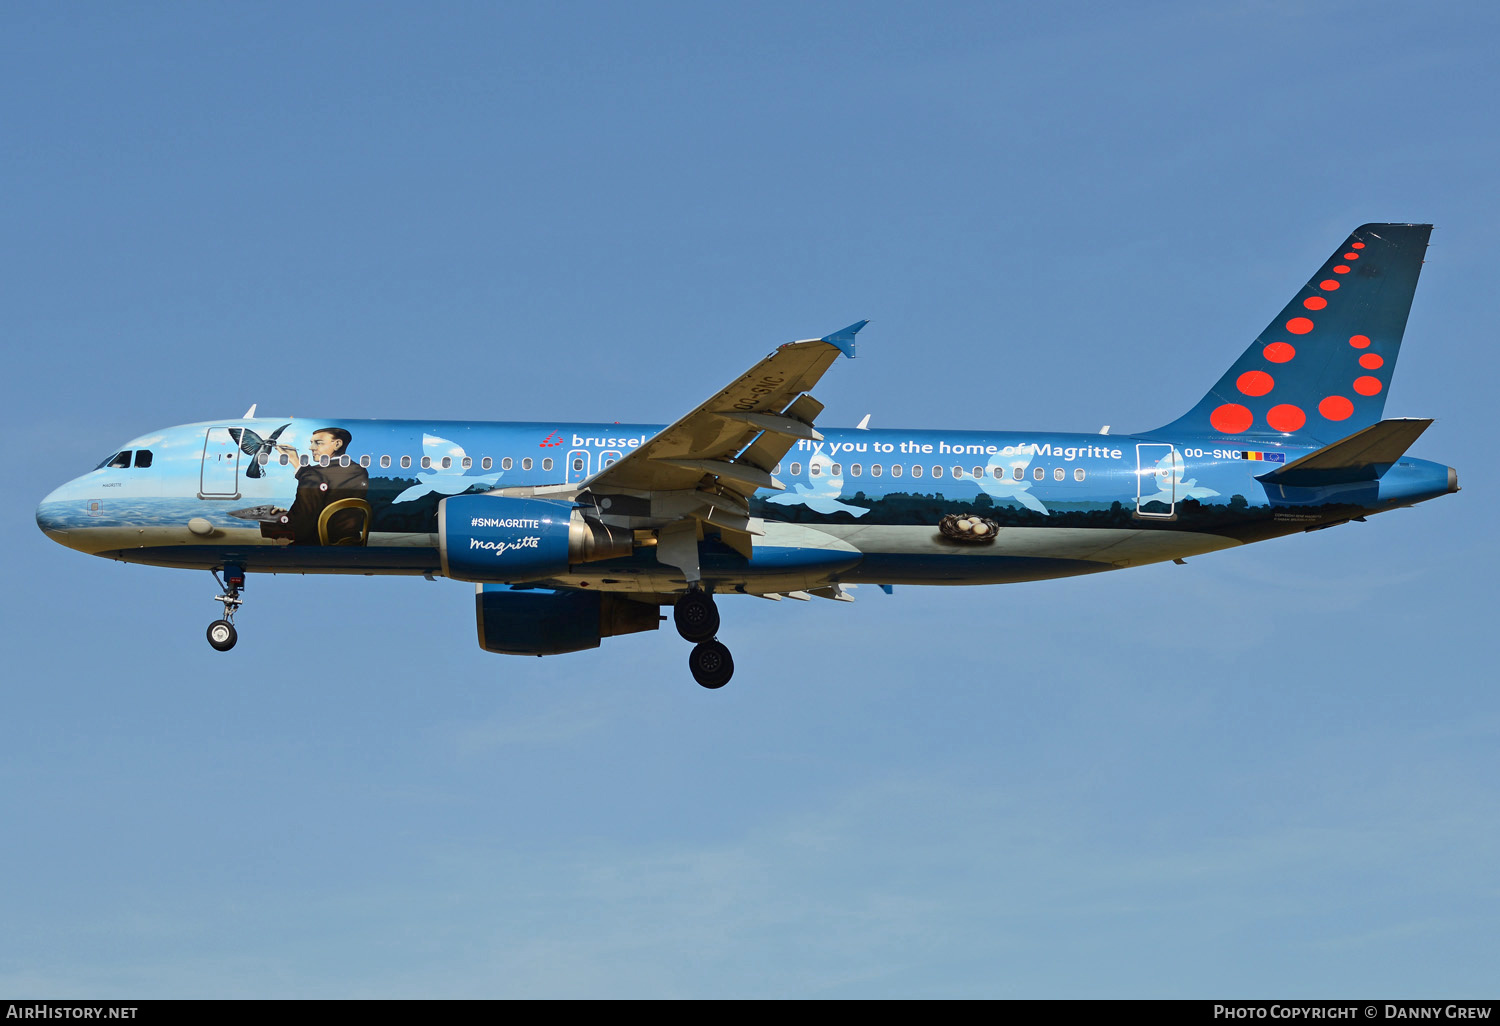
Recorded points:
(229, 476)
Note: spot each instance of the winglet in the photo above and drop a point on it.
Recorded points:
(845, 339)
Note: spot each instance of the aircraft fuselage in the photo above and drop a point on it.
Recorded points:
(864, 506)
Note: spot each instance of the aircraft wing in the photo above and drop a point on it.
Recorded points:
(705, 465)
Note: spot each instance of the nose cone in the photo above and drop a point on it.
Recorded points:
(52, 512)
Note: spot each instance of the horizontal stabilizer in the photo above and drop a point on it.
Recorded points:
(1363, 456)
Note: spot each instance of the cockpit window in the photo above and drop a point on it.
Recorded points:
(143, 457)
(119, 459)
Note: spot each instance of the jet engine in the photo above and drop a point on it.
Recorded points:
(539, 622)
(493, 538)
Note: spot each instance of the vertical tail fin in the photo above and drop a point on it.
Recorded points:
(1321, 369)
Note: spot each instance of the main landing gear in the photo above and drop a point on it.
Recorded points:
(697, 620)
(221, 633)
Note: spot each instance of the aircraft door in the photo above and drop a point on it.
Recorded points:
(578, 465)
(220, 475)
(1158, 468)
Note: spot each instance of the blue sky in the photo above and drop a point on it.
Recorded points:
(1270, 772)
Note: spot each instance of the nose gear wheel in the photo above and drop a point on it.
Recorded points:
(221, 633)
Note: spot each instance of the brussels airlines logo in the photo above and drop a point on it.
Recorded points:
(552, 441)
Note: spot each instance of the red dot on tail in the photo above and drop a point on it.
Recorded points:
(1371, 361)
(1315, 302)
(1299, 325)
(1231, 418)
(1356, 245)
(1279, 352)
(1341, 269)
(1286, 417)
(1360, 341)
(1255, 382)
(1336, 407)
(1328, 285)
(1366, 385)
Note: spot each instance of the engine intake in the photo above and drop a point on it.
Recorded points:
(493, 538)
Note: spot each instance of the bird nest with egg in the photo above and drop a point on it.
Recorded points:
(966, 527)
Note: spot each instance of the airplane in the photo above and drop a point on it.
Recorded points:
(576, 532)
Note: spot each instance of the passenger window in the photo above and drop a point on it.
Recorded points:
(978, 473)
(506, 463)
(609, 461)
(875, 471)
(1039, 473)
(385, 461)
(937, 471)
(1020, 474)
(405, 462)
(304, 460)
(447, 462)
(895, 470)
(486, 463)
(426, 462)
(467, 463)
(1059, 474)
(796, 470)
(776, 470)
(364, 461)
(263, 458)
(1078, 474)
(855, 469)
(814, 469)
(284, 459)
(916, 471)
(344, 460)
(547, 463)
(143, 457)
(121, 460)
(526, 463)
(837, 470)
(577, 463)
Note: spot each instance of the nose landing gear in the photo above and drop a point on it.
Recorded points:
(221, 633)
(697, 620)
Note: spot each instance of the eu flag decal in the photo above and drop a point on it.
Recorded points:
(1268, 457)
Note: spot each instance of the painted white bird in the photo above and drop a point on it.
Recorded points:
(1000, 480)
(822, 495)
(450, 480)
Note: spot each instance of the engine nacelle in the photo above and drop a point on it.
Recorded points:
(545, 622)
(495, 538)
